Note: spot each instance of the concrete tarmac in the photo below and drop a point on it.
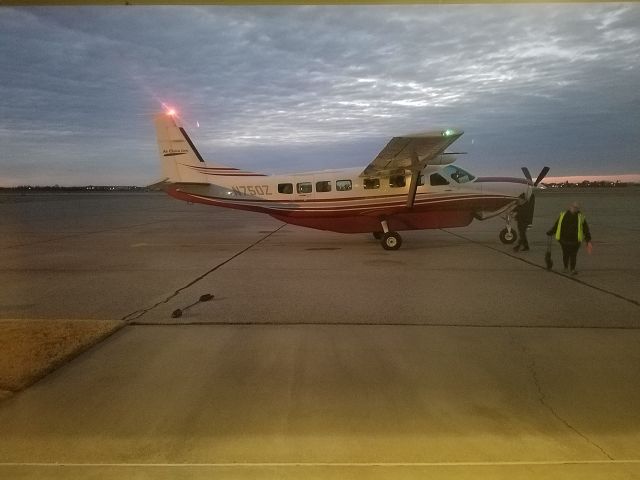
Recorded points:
(322, 355)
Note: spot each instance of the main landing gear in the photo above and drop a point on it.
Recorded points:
(388, 239)
(508, 235)
(393, 241)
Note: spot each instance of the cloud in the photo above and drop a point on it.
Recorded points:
(538, 82)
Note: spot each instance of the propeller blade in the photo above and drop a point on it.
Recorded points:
(527, 174)
(528, 209)
(543, 173)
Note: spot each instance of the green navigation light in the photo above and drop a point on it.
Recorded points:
(448, 132)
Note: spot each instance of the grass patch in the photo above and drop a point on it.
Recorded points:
(29, 349)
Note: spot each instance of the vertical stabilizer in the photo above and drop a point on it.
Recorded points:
(181, 161)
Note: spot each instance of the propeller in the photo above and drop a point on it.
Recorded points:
(530, 204)
(541, 175)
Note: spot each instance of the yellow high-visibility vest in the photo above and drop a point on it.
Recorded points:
(580, 222)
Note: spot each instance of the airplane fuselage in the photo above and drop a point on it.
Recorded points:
(343, 201)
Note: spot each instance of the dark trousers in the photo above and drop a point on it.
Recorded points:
(569, 254)
(522, 235)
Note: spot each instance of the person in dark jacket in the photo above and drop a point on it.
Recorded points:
(523, 213)
(571, 230)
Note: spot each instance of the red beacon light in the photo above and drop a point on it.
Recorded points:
(171, 112)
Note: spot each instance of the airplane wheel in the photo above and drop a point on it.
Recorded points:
(377, 235)
(391, 241)
(506, 237)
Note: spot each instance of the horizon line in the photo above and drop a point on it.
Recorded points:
(624, 177)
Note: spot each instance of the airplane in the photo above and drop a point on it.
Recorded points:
(412, 184)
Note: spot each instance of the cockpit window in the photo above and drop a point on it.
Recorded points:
(457, 174)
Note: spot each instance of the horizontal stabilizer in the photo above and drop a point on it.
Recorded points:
(159, 184)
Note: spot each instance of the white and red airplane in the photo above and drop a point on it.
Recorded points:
(410, 185)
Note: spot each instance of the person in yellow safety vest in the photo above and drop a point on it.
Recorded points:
(571, 230)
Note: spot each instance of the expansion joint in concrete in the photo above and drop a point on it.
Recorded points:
(535, 264)
(139, 313)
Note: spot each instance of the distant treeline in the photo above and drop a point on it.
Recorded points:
(86, 188)
(591, 184)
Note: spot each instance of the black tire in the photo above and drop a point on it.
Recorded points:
(377, 235)
(508, 238)
(391, 241)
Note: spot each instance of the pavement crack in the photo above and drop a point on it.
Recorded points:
(139, 313)
(542, 398)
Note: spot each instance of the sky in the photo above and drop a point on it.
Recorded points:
(297, 88)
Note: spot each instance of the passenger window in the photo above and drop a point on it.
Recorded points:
(304, 187)
(323, 186)
(420, 180)
(437, 179)
(371, 183)
(343, 185)
(285, 188)
(396, 181)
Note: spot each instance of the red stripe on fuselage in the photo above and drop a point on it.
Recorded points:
(455, 211)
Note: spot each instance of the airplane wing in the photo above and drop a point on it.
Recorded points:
(411, 152)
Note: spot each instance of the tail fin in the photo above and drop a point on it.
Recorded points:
(181, 161)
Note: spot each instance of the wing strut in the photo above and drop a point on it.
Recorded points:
(415, 175)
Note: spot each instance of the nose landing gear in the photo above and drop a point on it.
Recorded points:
(508, 235)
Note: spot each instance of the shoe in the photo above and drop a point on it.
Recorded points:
(574, 272)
